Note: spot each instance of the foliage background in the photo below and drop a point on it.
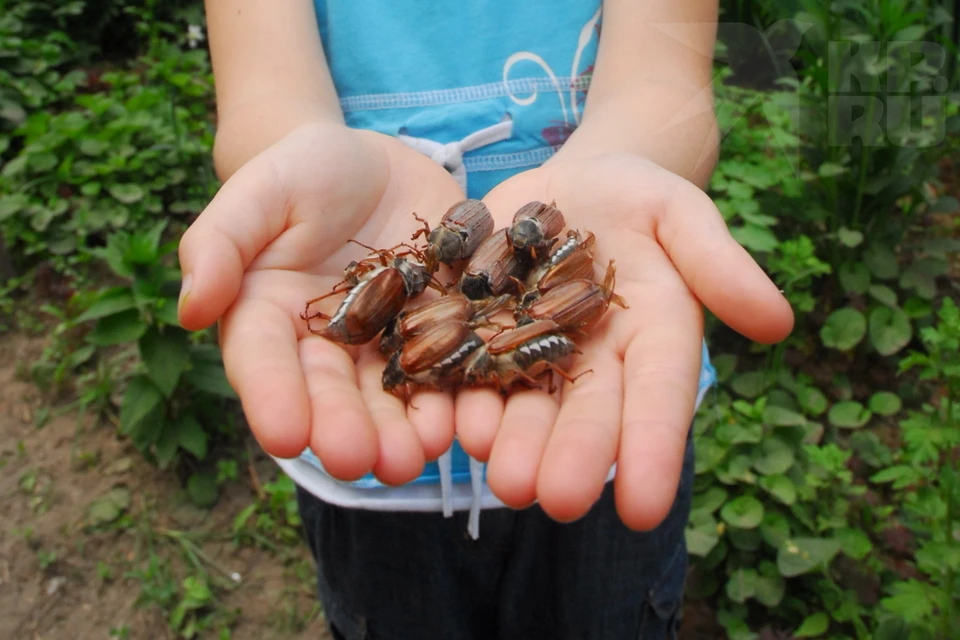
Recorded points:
(827, 490)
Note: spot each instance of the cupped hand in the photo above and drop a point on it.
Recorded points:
(276, 235)
(672, 253)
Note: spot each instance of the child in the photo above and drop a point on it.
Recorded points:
(339, 119)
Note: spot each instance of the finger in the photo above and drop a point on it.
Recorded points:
(719, 271)
(661, 373)
(583, 444)
(515, 457)
(247, 213)
(343, 435)
(478, 415)
(401, 457)
(259, 346)
(431, 414)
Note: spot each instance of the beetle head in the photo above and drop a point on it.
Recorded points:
(393, 375)
(415, 276)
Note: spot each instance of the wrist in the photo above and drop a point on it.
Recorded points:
(670, 124)
(246, 130)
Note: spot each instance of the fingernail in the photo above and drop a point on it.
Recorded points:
(185, 290)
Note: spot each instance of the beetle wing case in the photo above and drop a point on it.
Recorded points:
(490, 269)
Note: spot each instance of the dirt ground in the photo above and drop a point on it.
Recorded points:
(62, 578)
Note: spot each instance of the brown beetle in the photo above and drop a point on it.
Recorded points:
(493, 268)
(374, 297)
(535, 227)
(520, 355)
(463, 227)
(455, 307)
(434, 359)
(575, 306)
(573, 260)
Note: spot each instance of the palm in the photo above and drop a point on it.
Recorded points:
(276, 236)
(636, 406)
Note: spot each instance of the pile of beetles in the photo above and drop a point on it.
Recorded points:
(547, 284)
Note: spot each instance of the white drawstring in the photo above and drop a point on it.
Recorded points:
(476, 483)
(445, 464)
(450, 155)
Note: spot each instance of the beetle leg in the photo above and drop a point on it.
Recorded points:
(436, 285)
(609, 282)
(566, 376)
(420, 232)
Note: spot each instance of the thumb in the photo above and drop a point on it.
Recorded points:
(311, 173)
(719, 271)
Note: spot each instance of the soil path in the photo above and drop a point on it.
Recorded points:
(62, 578)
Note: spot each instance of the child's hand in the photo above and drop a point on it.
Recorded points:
(275, 236)
(672, 253)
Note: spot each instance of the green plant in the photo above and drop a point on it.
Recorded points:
(925, 480)
(174, 398)
(772, 505)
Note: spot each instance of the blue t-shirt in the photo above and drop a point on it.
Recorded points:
(435, 74)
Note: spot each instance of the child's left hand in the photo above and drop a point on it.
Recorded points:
(672, 252)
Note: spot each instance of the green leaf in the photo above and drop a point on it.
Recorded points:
(745, 512)
(165, 355)
(812, 400)
(854, 278)
(710, 500)
(742, 585)
(108, 507)
(849, 237)
(775, 529)
(802, 555)
(775, 457)
(881, 262)
(770, 590)
(125, 326)
(202, 488)
(919, 278)
(830, 170)
(192, 436)
(883, 294)
(210, 378)
(890, 330)
(140, 398)
(755, 238)
(813, 626)
(884, 403)
(780, 487)
(849, 415)
(109, 302)
(781, 417)
(751, 383)
(844, 329)
(127, 193)
(854, 542)
(701, 541)
(917, 307)
(42, 162)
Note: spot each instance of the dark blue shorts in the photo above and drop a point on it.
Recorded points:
(419, 576)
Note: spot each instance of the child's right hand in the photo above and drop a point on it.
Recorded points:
(275, 236)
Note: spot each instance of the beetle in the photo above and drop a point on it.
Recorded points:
(413, 321)
(492, 268)
(375, 295)
(462, 228)
(572, 260)
(519, 356)
(535, 227)
(433, 359)
(575, 306)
